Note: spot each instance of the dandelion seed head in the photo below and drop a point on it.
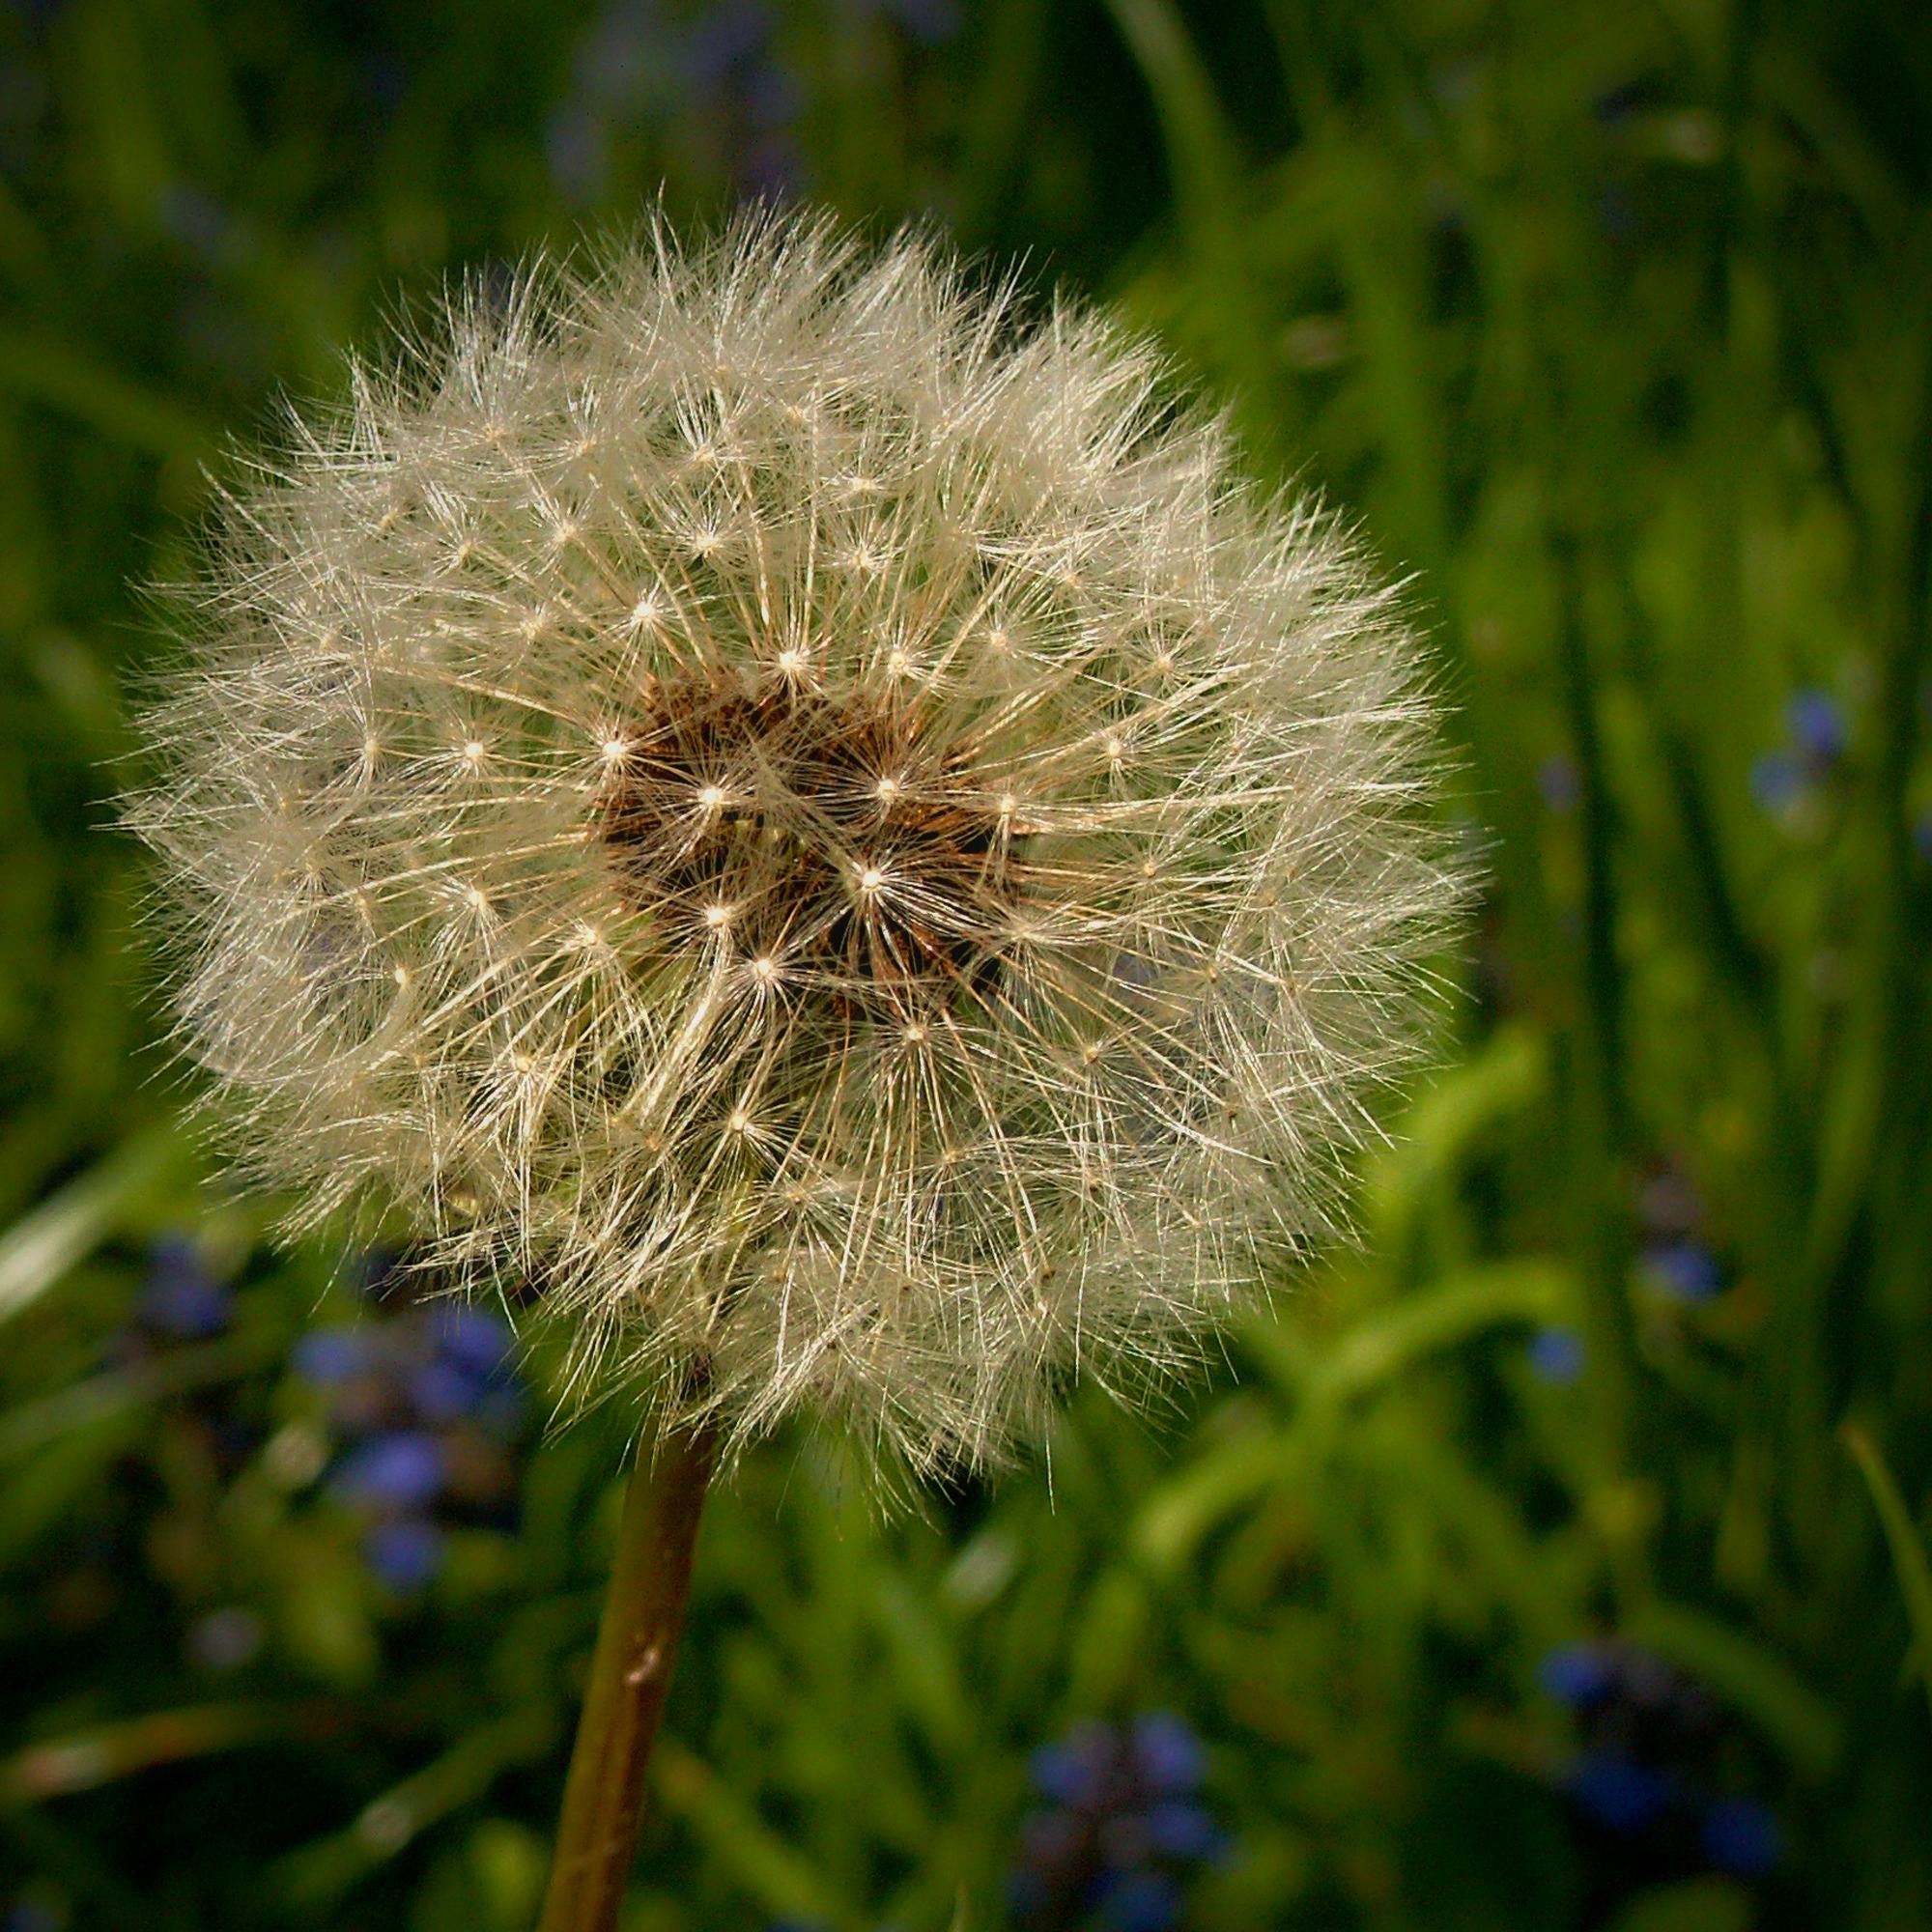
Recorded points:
(934, 873)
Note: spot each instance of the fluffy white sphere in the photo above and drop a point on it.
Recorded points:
(822, 827)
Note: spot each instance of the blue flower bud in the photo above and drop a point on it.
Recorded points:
(1616, 1791)
(1169, 1754)
(404, 1552)
(1557, 1355)
(402, 1469)
(475, 1339)
(1817, 726)
(1683, 1270)
(181, 1297)
(1139, 1902)
(1183, 1831)
(328, 1357)
(442, 1391)
(1741, 1837)
(1075, 1771)
(1579, 1674)
(1777, 781)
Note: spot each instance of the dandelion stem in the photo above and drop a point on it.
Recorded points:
(637, 1644)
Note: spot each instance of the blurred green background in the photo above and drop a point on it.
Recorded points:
(1559, 1560)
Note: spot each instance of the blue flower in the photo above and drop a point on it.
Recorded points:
(1776, 780)
(1557, 1355)
(1111, 1845)
(1817, 726)
(1168, 1753)
(1741, 1837)
(1559, 784)
(404, 1552)
(1682, 1270)
(402, 1469)
(1579, 1674)
(1183, 1831)
(1139, 1901)
(475, 1339)
(328, 1357)
(1619, 1793)
(724, 38)
(441, 1391)
(181, 1297)
(1075, 1771)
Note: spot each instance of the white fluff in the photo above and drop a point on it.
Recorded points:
(823, 827)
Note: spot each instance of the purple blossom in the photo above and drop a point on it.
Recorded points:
(476, 1339)
(1741, 1837)
(1816, 724)
(1139, 1901)
(330, 1356)
(1579, 1674)
(1113, 1846)
(1560, 784)
(181, 1297)
(442, 1391)
(1168, 1753)
(1683, 1270)
(1616, 1791)
(1816, 738)
(1777, 781)
(1557, 1355)
(1075, 1771)
(404, 1552)
(724, 38)
(1182, 1832)
(402, 1470)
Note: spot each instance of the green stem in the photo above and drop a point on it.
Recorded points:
(636, 1643)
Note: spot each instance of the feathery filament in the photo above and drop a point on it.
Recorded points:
(828, 828)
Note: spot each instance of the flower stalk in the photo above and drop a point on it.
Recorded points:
(630, 1674)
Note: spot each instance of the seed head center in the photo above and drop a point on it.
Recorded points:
(835, 831)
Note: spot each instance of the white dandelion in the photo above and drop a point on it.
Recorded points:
(822, 826)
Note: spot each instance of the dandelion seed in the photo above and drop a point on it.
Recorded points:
(1083, 1011)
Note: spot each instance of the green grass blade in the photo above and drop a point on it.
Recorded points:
(1909, 1558)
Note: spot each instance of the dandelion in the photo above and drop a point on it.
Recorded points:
(819, 827)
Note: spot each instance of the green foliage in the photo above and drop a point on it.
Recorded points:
(1610, 326)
